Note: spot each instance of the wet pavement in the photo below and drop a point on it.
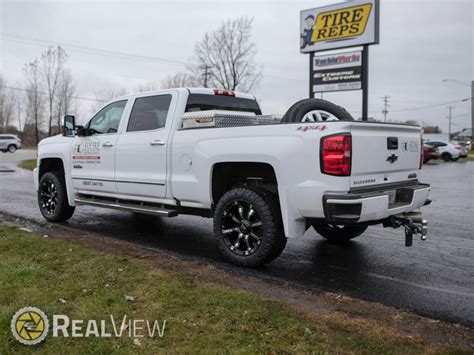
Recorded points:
(433, 278)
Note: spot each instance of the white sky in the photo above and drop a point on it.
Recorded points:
(422, 42)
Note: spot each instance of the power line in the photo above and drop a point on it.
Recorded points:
(430, 106)
(45, 93)
(97, 51)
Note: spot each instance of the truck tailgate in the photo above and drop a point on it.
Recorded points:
(384, 153)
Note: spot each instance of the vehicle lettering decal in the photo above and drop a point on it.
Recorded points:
(86, 153)
(312, 128)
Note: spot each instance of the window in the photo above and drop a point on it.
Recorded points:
(203, 102)
(107, 120)
(149, 113)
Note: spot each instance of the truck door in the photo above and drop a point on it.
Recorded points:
(93, 156)
(142, 147)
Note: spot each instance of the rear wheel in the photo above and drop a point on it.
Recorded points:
(339, 234)
(52, 198)
(446, 156)
(12, 148)
(248, 227)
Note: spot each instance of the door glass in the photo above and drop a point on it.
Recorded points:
(107, 120)
(149, 113)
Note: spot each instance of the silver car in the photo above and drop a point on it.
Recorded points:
(9, 143)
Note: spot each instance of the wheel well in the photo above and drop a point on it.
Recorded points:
(51, 164)
(227, 175)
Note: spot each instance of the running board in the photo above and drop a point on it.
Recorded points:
(119, 205)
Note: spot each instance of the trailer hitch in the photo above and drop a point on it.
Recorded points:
(413, 224)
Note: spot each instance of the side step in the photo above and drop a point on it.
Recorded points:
(124, 206)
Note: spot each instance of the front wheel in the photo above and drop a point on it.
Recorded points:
(248, 226)
(52, 198)
(339, 234)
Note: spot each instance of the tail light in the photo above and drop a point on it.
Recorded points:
(336, 152)
(421, 152)
(457, 147)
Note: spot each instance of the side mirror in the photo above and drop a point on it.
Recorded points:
(69, 126)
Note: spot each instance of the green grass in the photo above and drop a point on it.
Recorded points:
(38, 271)
(28, 164)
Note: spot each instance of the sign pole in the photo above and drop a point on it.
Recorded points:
(311, 69)
(365, 83)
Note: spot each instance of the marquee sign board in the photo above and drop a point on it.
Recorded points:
(337, 72)
(346, 24)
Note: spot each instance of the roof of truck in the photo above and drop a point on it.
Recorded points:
(195, 90)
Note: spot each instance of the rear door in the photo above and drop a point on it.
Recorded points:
(384, 153)
(141, 155)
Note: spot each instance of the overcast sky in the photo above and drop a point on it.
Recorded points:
(422, 42)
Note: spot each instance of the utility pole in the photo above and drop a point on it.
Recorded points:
(206, 73)
(450, 108)
(385, 108)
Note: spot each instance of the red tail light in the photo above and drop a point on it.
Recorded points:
(457, 147)
(422, 153)
(336, 152)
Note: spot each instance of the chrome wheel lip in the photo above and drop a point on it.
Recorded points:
(241, 228)
(48, 197)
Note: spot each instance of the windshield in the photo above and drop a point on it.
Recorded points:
(203, 102)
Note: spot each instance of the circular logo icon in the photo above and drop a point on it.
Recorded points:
(30, 325)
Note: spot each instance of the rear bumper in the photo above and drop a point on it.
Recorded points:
(372, 204)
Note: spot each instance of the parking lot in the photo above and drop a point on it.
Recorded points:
(434, 278)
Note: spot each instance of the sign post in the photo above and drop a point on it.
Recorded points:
(341, 26)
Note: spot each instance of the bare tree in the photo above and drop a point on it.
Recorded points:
(104, 95)
(34, 97)
(6, 105)
(179, 80)
(52, 67)
(225, 57)
(64, 98)
(149, 86)
(19, 107)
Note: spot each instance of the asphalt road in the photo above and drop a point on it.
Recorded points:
(433, 278)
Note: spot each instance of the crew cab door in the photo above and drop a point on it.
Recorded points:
(141, 154)
(93, 156)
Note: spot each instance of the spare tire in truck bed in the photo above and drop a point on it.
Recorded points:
(297, 111)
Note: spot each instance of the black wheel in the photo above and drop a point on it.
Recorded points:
(316, 110)
(339, 234)
(52, 198)
(12, 148)
(446, 156)
(248, 226)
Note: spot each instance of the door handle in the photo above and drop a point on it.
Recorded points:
(157, 142)
(107, 144)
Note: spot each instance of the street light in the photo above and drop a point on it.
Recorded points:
(459, 82)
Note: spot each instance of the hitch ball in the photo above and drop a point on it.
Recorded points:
(424, 229)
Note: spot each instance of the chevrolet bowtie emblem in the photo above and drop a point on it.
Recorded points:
(392, 158)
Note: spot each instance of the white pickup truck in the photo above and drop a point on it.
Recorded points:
(211, 153)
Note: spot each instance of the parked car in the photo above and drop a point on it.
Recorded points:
(463, 149)
(9, 143)
(211, 153)
(447, 151)
(429, 153)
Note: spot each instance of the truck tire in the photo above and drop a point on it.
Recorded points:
(248, 226)
(12, 148)
(52, 198)
(298, 110)
(446, 156)
(339, 234)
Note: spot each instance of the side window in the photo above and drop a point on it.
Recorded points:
(149, 113)
(107, 120)
(442, 144)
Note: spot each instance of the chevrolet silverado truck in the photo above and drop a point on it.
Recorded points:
(261, 178)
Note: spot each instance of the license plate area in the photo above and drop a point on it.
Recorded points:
(400, 197)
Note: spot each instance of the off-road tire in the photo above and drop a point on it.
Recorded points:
(12, 148)
(62, 211)
(338, 234)
(446, 156)
(273, 239)
(298, 110)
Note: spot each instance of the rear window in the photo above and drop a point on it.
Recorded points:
(203, 102)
